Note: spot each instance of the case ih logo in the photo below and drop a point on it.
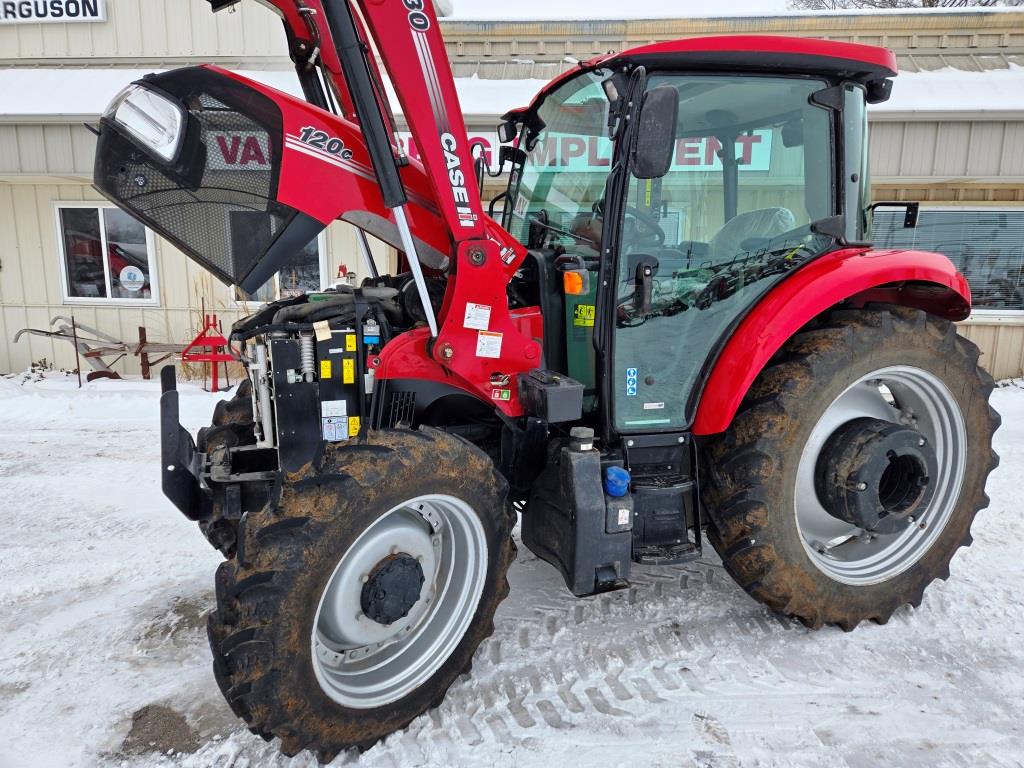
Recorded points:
(457, 179)
(241, 151)
(35, 11)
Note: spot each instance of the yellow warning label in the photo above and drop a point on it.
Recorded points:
(348, 371)
(353, 426)
(325, 369)
(350, 342)
(583, 315)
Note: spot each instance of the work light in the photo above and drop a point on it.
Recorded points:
(156, 122)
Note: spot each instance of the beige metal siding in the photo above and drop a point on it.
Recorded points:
(31, 290)
(969, 152)
(1002, 347)
(148, 30)
(922, 41)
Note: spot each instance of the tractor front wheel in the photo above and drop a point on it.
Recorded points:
(232, 427)
(359, 594)
(855, 467)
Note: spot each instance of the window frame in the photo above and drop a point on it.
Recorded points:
(983, 316)
(109, 301)
(250, 305)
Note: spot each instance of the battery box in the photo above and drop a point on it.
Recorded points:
(338, 372)
(551, 396)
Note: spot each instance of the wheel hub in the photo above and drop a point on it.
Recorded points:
(392, 589)
(875, 474)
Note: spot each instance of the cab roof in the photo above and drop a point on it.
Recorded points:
(751, 53)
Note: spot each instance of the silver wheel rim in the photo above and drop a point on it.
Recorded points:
(362, 664)
(900, 394)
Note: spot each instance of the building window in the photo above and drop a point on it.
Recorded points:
(985, 244)
(106, 256)
(303, 273)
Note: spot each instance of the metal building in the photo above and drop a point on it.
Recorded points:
(952, 137)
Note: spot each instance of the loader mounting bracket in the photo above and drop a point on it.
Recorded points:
(181, 462)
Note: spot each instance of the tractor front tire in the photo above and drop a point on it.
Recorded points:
(360, 593)
(232, 426)
(881, 373)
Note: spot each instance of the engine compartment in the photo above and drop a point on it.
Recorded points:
(308, 359)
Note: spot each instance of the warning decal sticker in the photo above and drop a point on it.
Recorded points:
(488, 344)
(478, 317)
(583, 316)
(631, 378)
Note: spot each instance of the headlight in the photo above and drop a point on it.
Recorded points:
(153, 120)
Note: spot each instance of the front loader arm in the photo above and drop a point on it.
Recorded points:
(407, 36)
(465, 351)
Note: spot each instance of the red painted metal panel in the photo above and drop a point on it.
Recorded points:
(867, 58)
(836, 277)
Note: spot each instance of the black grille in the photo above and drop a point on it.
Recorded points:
(217, 201)
(403, 408)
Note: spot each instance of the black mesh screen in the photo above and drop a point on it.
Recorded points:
(216, 202)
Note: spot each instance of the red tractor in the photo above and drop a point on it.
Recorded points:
(675, 326)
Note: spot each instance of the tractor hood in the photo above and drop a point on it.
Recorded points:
(241, 177)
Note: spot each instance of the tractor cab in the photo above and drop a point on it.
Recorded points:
(671, 187)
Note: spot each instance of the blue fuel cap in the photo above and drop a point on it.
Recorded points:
(616, 481)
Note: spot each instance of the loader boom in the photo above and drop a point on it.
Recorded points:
(343, 36)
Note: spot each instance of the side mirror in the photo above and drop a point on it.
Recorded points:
(655, 139)
(506, 131)
(913, 210)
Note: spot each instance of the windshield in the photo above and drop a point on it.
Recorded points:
(567, 165)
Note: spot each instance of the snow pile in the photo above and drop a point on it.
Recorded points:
(954, 90)
(84, 94)
(56, 400)
(104, 587)
(615, 10)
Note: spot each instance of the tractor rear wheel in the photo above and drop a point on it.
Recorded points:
(361, 591)
(855, 466)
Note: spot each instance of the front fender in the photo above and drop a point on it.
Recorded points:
(927, 281)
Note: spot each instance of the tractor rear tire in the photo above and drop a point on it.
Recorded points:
(306, 553)
(762, 510)
(232, 426)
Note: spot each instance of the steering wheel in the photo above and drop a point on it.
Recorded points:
(649, 228)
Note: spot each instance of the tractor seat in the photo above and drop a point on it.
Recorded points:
(761, 224)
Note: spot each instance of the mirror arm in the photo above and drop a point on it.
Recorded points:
(912, 208)
(494, 201)
(644, 289)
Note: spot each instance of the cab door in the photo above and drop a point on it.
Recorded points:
(751, 171)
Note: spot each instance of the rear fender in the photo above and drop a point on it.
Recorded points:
(918, 279)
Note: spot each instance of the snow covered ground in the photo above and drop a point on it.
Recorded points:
(103, 655)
